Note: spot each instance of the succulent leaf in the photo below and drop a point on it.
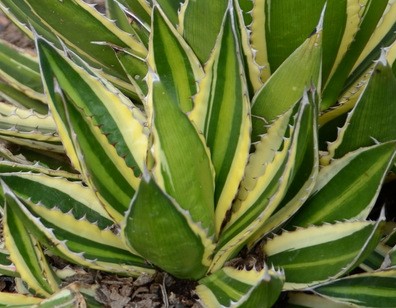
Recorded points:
(17, 98)
(356, 178)
(267, 179)
(68, 197)
(302, 253)
(173, 61)
(376, 289)
(301, 299)
(77, 240)
(287, 84)
(375, 105)
(77, 17)
(231, 287)
(15, 299)
(201, 36)
(25, 252)
(357, 36)
(21, 70)
(222, 113)
(166, 234)
(103, 134)
(7, 268)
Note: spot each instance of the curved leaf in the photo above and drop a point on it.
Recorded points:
(201, 36)
(166, 234)
(103, 133)
(231, 287)
(25, 252)
(375, 105)
(348, 187)
(20, 70)
(173, 61)
(376, 289)
(221, 112)
(367, 15)
(297, 73)
(268, 175)
(309, 256)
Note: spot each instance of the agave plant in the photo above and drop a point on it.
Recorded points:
(238, 144)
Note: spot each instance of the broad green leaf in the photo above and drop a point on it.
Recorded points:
(231, 287)
(363, 20)
(171, 157)
(103, 133)
(278, 28)
(20, 70)
(268, 175)
(376, 105)
(376, 289)
(175, 64)
(286, 24)
(52, 192)
(221, 112)
(25, 252)
(348, 187)
(341, 22)
(166, 234)
(78, 240)
(201, 36)
(316, 254)
(297, 73)
(21, 100)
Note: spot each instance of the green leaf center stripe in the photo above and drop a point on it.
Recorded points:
(174, 137)
(249, 219)
(84, 93)
(64, 195)
(80, 17)
(102, 171)
(385, 290)
(329, 260)
(25, 252)
(227, 114)
(94, 250)
(172, 62)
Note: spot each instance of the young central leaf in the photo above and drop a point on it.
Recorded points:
(174, 62)
(222, 113)
(182, 166)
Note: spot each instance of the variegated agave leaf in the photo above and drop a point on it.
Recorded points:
(193, 132)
